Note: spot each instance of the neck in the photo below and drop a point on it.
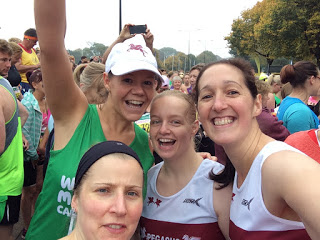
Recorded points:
(243, 154)
(23, 43)
(183, 167)
(39, 96)
(300, 93)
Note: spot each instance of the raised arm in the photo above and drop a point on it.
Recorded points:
(66, 101)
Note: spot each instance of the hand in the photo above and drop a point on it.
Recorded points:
(25, 143)
(205, 155)
(125, 33)
(149, 38)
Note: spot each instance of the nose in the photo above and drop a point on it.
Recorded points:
(164, 128)
(8, 63)
(119, 206)
(137, 89)
(219, 104)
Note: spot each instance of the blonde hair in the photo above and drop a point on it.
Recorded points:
(15, 40)
(191, 107)
(91, 78)
(274, 78)
(77, 72)
(15, 48)
(263, 87)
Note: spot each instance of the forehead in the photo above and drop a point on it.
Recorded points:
(113, 165)
(222, 73)
(174, 106)
(4, 55)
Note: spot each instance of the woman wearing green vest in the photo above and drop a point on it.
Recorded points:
(129, 78)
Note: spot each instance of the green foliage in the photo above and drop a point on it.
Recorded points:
(278, 28)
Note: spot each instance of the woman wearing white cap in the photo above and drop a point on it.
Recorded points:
(130, 75)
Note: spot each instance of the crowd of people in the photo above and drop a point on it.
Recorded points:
(115, 148)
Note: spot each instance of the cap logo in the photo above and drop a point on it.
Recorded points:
(137, 47)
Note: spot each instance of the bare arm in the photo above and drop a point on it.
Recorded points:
(26, 68)
(66, 101)
(23, 113)
(291, 184)
(221, 205)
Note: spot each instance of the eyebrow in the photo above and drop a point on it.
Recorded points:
(113, 185)
(225, 82)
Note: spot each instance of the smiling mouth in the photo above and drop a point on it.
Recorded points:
(166, 142)
(134, 104)
(115, 226)
(222, 121)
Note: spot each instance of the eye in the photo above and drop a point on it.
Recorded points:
(148, 83)
(154, 121)
(127, 80)
(102, 190)
(176, 122)
(206, 96)
(233, 92)
(132, 193)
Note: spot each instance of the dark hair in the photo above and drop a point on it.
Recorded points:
(227, 175)
(31, 32)
(298, 73)
(197, 67)
(83, 57)
(96, 152)
(5, 47)
(243, 65)
(34, 77)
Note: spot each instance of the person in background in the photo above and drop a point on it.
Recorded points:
(177, 84)
(304, 77)
(186, 86)
(35, 103)
(12, 117)
(274, 97)
(29, 59)
(181, 200)
(13, 75)
(265, 203)
(194, 72)
(83, 60)
(107, 200)
(307, 142)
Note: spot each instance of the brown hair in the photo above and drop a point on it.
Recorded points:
(5, 48)
(34, 77)
(243, 65)
(298, 73)
(15, 48)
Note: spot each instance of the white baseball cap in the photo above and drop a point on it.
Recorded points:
(130, 56)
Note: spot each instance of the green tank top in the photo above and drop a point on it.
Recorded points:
(11, 160)
(51, 217)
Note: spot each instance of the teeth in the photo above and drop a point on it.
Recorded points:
(114, 226)
(222, 121)
(166, 140)
(135, 102)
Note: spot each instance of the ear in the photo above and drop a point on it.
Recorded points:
(106, 81)
(74, 202)
(257, 105)
(195, 127)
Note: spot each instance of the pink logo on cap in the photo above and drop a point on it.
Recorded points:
(137, 47)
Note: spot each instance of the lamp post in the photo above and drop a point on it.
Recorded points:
(189, 38)
(120, 16)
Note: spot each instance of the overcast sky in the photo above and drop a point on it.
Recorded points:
(207, 22)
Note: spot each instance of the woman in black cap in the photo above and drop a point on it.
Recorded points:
(107, 199)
